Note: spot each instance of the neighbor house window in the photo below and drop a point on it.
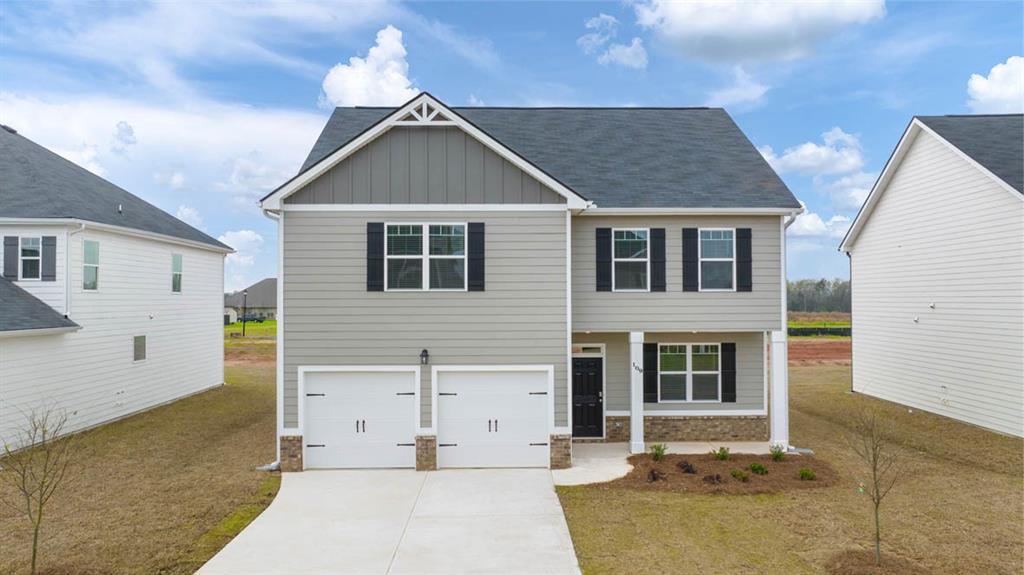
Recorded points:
(139, 348)
(176, 273)
(438, 263)
(30, 258)
(717, 260)
(689, 372)
(90, 265)
(630, 260)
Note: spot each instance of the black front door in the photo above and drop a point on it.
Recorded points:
(587, 397)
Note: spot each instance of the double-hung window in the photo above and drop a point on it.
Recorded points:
(176, 273)
(425, 257)
(717, 260)
(90, 265)
(631, 262)
(689, 373)
(31, 258)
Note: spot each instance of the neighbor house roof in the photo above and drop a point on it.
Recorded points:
(262, 294)
(22, 311)
(37, 183)
(995, 141)
(615, 157)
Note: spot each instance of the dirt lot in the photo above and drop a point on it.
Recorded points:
(819, 351)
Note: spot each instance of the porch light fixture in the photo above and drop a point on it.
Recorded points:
(424, 357)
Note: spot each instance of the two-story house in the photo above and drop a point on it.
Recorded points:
(480, 287)
(108, 305)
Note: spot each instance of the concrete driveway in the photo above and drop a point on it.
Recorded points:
(396, 521)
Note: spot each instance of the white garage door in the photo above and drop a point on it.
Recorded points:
(358, 419)
(492, 419)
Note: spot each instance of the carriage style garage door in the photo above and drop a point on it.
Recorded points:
(492, 418)
(354, 419)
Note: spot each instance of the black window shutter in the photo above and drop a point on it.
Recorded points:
(374, 256)
(728, 373)
(475, 261)
(744, 262)
(604, 259)
(650, 373)
(11, 257)
(49, 259)
(658, 259)
(690, 259)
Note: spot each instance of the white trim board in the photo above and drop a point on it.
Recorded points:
(275, 200)
(603, 356)
(424, 208)
(113, 229)
(694, 413)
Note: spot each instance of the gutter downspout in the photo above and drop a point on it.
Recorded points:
(67, 268)
(278, 363)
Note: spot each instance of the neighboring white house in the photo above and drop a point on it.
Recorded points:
(937, 271)
(108, 305)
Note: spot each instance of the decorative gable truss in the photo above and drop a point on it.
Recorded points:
(424, 111)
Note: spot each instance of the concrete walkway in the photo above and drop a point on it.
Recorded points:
(403, 522)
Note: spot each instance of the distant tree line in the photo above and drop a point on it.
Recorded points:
(819, 295)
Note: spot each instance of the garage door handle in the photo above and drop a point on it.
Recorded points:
(447, 444)
(315, 445)
(447, 393)
(406, 393)
(488, 426)
(364, 426)
(538, 444)
(495, 425)
(315, 394)
(538, 393)
(405, 445)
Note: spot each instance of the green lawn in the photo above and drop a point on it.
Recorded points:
(252, 329)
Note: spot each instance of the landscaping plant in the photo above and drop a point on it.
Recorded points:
(38, 470)
(687, 467)
(807, 474)
(778, 453)
(655, 475)
(873, 440)
(740, 475)
(758, 469)
(721, 454)
(658, 451)
(712, 479)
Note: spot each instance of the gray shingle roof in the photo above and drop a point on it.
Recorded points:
(262, 294)
(995, 141)
(37, 183)
(23, 311)
(616, 157)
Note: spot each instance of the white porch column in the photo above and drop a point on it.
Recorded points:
(779, 413)
(636, 392)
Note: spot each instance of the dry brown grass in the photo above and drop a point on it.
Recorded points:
(815, 318)
(960, 508)
(148, 488)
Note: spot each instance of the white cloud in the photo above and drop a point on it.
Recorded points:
(850, 191)
(381, 78)
(190, 216)
(1001, 92)
(474, 101)
(840, 153)
(124, 137)
(602, 29)
(247, 245)
(632, 55)
(744, 91)
(748, 30)
(811, 224)
(174, 180)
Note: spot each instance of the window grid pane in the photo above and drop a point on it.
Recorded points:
(630, 275)
(405, 273)
(447, 240)
(447, 273)
(705, 387)
(716, 243)
(176, 263)
(673, 387)
(405, 240)
(139, 348)
(630, 244)
(92, 252)
(90, 277)
(30, 247)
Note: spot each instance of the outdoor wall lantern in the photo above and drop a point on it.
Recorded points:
(424, 357)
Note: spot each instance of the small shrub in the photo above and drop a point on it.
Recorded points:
(807, 474)
(721, 454)
(655, 475)
(658, 451)
(687, 467)
(758, 469)
(712, 479)
(778, 453)
(740, 475)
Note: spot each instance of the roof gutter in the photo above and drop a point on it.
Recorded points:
(592, 210)
(119, 230)
(40, 331)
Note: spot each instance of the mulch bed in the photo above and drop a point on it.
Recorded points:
(782, 475)
(862, 562)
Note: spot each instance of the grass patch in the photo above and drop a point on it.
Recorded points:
(222, 533)
(818, 319)
(267, 329)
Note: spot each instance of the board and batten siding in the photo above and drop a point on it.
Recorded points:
(409, 165)
(90, 374)
(49, 292)
(942, 234)
(750, 364)
(331, 319)
(674, 309)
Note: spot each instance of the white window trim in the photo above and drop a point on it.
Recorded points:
(701, 259)
(145, 343)
(426, 257)
(690, 373)
(181, 274)
(647, 260)
(22, 258)
(95, 265)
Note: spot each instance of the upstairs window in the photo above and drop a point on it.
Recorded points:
(176, 273)
(689, 373)
(422, 257)
(717, 260)
(31, 258)
(630, 260)
(90, 265)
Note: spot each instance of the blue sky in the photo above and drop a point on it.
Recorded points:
(200, 108)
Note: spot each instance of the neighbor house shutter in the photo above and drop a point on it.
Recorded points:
(650, 373)
(690, 259)
(744, 263)
(374, 256)
(604, 259)
(11, 257)
(728, 373)
(658, 259)
(49, 259)
(475, 253)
